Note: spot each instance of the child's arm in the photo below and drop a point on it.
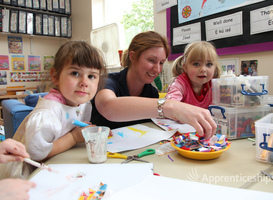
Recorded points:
(176, 90)
(67, 141)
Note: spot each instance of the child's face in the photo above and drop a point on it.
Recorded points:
(199, 72)
(78, 84)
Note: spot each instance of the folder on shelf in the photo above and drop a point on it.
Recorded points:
(30, 23)
(64, 26)
(45, 24)
(36, 4)
(57, 26)
(22, 21)
(43, 5)
(51, 25)
(5, 20)
(49, 5)
(62, 6)
(55, 6)
(68, 7)
(28, 3)
(21, 3)
(38, 24)
(13, 21)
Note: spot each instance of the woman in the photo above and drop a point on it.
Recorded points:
(129, 98)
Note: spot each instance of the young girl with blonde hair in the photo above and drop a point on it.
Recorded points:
(193, 72)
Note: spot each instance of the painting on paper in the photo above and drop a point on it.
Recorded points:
(18, 62)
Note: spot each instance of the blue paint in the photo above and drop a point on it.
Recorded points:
(67, 115)
(120, 134)
(110, 143)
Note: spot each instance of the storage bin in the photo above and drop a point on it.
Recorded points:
(240, 91)
(237, 122)
(264, 126)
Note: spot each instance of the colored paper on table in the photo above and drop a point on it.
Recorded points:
(135, 137)
(168, 124)
(73, 179)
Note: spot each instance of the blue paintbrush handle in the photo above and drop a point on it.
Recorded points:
(79, 123)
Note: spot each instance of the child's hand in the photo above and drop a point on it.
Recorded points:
(77, 133)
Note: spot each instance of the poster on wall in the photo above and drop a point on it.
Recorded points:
(28, 76)
(3, 77)
(4, 62)
(191, 10)
(15, 45)
(18, 62)
(34, 63)
(48, 62)
(249, 67)
(230, 64)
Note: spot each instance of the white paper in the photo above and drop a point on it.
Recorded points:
(66, 184)
(187, 34)
(168, 124)
(224, 27)
(164, 4)
(135, 137)
(163, 188)
(261, 20)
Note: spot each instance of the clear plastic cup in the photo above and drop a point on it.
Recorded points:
(96, 143)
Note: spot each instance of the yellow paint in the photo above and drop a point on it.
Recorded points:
(91, 193)
(137, 130)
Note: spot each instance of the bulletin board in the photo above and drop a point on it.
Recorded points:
(244, 43)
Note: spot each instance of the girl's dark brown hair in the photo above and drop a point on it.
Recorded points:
(143, 41)
(82, 54)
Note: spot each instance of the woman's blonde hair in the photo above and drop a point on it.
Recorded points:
(199, 50)
(143, 41)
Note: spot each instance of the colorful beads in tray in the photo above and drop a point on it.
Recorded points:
(193, 142)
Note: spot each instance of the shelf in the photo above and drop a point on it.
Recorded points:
(13, 96)
(34, 10)
(18, 89)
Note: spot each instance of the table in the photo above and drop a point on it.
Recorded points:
(234, 168)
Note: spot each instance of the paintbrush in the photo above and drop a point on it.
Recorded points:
(40, 165)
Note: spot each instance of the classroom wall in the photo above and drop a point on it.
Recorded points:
(42, 45)
(265, 58)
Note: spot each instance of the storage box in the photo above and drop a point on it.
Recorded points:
(240, 91)
(264, 126)
(237, 122)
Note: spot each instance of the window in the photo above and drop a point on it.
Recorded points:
(133, 16)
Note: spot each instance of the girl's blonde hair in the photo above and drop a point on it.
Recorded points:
(199, 50)
(143, 41)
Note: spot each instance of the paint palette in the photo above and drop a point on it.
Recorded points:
(199, 155)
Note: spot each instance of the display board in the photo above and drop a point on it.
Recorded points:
(243, 29)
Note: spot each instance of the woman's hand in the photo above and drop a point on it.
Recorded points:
(197, 117)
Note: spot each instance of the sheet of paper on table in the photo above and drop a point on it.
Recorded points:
(73, 179)
(135, 137)
(168, 124)
(163, 188)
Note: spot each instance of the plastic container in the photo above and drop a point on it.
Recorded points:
(237, 122)
(264, 138)
(229, 90)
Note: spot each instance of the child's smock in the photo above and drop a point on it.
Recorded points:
(48, 121)
(181, 90)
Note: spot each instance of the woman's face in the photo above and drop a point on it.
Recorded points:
(149, 64)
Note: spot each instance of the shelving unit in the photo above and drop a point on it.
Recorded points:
(32, 21)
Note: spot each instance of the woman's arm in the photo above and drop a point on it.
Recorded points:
(135, 108)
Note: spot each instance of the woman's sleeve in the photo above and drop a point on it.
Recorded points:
(176, 90)
(42, 129)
